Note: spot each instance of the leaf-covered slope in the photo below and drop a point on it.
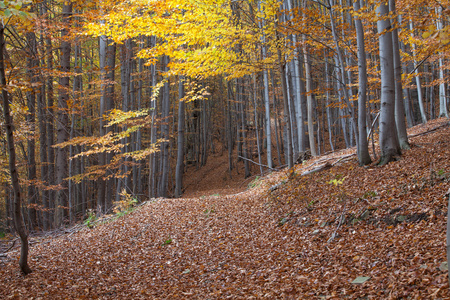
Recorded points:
(307, 238)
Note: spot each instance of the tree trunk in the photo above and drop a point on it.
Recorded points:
(102, 156)
(363, 148)
(287, 116)
(17, 215)
(328, 108)
(266, 100)
(309, 101)
(32, 65)
(109, 105)
(62, 134)
(180, 147)
(400, 120)
(50, 127)
(165, 109)
(389, 144)
(418, 80)
(242, 100)
(443, 110)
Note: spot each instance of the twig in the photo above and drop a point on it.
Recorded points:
(339, 225)
(257, 163)
(14, 242)
(371, 127)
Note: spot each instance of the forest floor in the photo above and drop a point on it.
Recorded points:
(287, 236)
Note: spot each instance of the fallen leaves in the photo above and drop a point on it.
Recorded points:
(388, 228)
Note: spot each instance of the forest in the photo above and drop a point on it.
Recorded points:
(107, 104)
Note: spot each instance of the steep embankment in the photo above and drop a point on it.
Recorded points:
(293, 236)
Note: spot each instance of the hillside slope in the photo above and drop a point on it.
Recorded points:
(290, 237)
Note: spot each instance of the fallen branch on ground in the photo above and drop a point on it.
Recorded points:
(262, 165)
(429, 131)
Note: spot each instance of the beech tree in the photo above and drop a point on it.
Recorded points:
(363, 149)
(62, 134)
(389, 145)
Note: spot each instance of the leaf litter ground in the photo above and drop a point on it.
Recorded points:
(290, 237)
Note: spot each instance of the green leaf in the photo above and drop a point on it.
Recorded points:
(7, 13)
(360, 280)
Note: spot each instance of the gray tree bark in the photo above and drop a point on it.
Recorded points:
(400, 120)
(443, 110)
(309, 101)
(418, 80)
(363, 147)
(389, 145)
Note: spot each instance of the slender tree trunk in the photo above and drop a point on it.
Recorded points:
(309, 101)
(443, 110)
(153, 110)
(406, 94)
(266, 100)
(17, 215)
(400, 120)
(256, 124)
(43, 154)
(277, 122)
(62, 135)
(242, 100)
(164, 179)
(109, 105)
(32, 65)
(363, 148)
(180, 150)
(102, 156)
(138, 182)
(289, 88)
(229, 128)
(50, 134)
(418, 80)
(328, 108)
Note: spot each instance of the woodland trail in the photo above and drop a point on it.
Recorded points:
(306, 239)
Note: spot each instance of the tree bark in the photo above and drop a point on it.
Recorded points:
(389, 144)
(309, 101)
(62, 134)
(418, 80)
(287, 116)
(363, 148)
(32, 65)
(266, 98)
(443, 110)
(17, 215)
(400, 120)
(180, 150)
(165, 109)
(50, 128)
